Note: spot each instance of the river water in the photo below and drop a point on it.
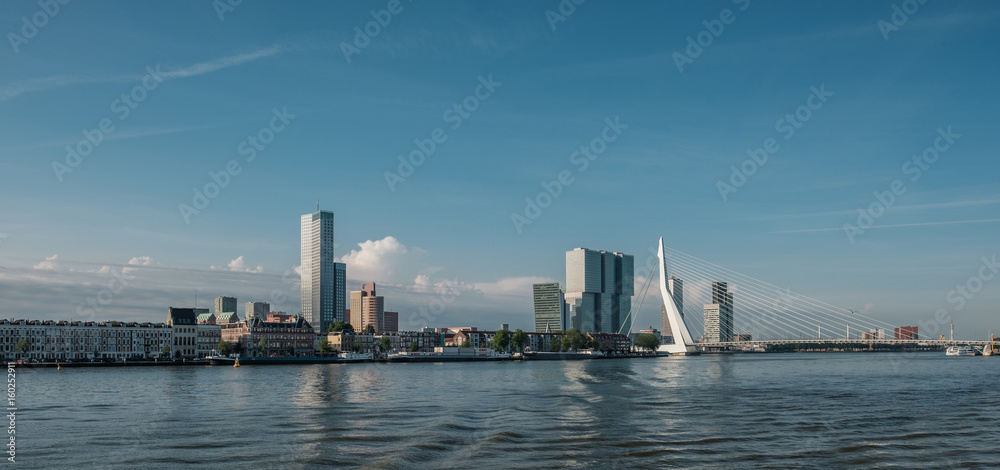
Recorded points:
(745, 411)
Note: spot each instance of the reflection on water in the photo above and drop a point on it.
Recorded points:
(819, 411)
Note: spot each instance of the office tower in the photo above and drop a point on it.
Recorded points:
(257, 310)
(225, 304)
(367, 309)
(599, 290)
(907, 333)
(390, 322)
(550, 307)
(322, 302)
(340, 292)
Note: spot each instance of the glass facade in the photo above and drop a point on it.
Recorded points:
(599, 290)
(319, 272)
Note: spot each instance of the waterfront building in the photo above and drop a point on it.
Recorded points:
(323, 279)
(743, 337)
(719, 315)
(280, 339)
(80, 340)
(550, 307)
(390, 322)
(907, 333)
(256, 310)
(712, 331)
(225, 304)
(208, 336)
(403, 340)
(351, 342)
(184, 322)
(647, 331)
(599, 289)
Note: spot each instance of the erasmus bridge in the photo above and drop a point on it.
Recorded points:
(759, 314)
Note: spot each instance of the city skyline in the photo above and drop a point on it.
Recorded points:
(125, 232)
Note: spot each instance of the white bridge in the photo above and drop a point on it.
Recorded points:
(762, 314)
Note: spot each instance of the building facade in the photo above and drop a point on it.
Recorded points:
(322, 302)
(225, 304)
(63, 340)
(719, 314)
(184, 322)
(390, 322)
(208, 336)
(599, 289)
(256, 310)
(279, 339)
(907, 333)
(367, 308)
(550, 307)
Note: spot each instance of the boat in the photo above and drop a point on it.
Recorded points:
(988, 349)
(961, 351)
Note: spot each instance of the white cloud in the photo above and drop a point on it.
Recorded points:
(383, 261)
(511, 286)
(12, 90)
(49, 264)
(239, 265)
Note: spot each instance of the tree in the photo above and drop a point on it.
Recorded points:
(224, 347)
(341, 326)
(414, 347)
(519, 339)
(575, 340)
(556, 345)
(324, 346)
(165, 350)
(466, 343)
(501, 340)
(23, 345)
(237, 347)
(370, 329)
(262, 345)
(648, 342)
(385, 344)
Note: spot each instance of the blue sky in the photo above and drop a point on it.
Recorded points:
(451, 220)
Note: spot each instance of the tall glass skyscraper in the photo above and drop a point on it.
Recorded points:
(550, 307)
(323, 280)
(599, 290)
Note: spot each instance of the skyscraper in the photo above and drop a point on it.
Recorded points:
(599, 290)
(225, 304)
(719, 314)
(323, 295)
(550, 307)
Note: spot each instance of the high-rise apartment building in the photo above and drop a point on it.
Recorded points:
(323, 280)
(257, 310)
(390, 322)
(367, 309)
(719, 314)
(225, 304)
(550, 307)
(599, 290)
